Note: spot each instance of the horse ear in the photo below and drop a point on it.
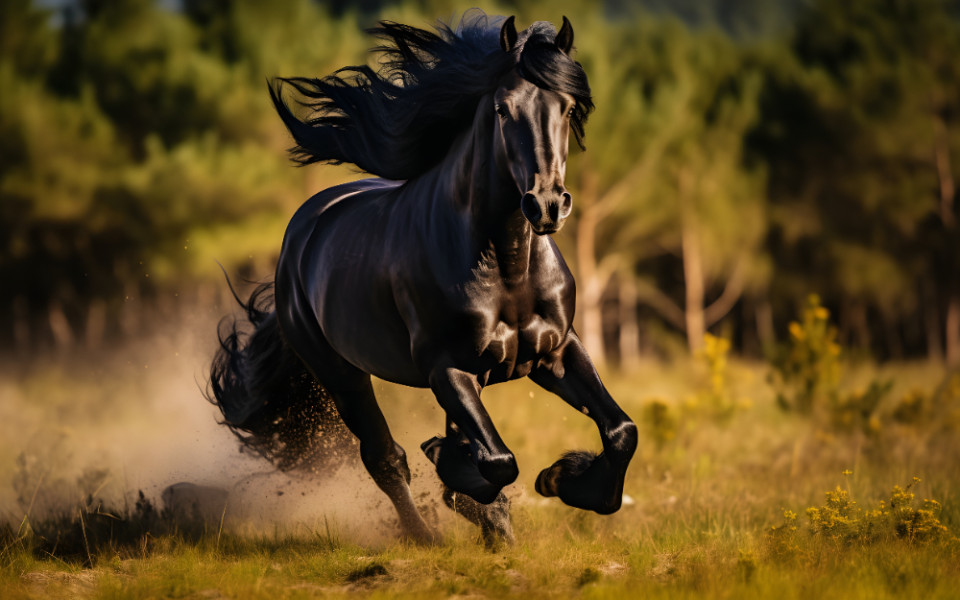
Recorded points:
(508, 34)
(565, 37)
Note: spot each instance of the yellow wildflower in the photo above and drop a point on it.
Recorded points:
(796, 331)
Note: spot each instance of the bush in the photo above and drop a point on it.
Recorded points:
(841, 519)
(807, 368)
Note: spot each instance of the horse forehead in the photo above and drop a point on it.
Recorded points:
(526, 93)
(514, 87)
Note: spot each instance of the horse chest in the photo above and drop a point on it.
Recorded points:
(511, 322)
(510, 345)
(533, 337)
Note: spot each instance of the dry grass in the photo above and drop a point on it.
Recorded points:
(706, 495)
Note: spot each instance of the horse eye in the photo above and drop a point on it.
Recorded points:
(501, 110)
(571, 112)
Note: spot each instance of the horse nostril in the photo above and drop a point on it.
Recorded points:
(554, 211)
(531, 208)
(566, 204)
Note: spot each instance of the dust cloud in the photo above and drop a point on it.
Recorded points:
(135, 419)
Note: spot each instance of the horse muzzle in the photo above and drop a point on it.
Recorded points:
(546, 212)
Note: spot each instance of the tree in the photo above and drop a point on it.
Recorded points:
(134, 149)
(668, 180)
(862, 149)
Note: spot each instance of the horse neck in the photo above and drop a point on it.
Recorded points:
(478, 184)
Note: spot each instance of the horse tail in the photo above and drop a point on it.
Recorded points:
(267, 396)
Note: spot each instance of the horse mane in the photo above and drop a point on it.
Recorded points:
(401, 120)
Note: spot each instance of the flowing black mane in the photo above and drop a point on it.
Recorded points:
(399, 122)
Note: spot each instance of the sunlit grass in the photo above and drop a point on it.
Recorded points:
(704, 500)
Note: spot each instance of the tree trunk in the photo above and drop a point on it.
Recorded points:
(931, 323)
(692, 269)
(130, 310)
(892, 335)
(861, 327)
(765, 329)
(589, 284)
(21, 325)
(693, 279)
(944, 174)
(96, 323)
(59, 326)
(953, 330)
(629, 328)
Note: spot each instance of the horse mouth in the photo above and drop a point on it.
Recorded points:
(547, 229)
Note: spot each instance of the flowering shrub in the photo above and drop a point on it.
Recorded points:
(937, 410)
(841, 519)
(715, 396)
(807, 367)
(911, 408)
(659, 421)
(858, 410)
(782, 538)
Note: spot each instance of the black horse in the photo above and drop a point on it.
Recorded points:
(440, 274)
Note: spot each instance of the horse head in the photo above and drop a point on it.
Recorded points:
(536, 105)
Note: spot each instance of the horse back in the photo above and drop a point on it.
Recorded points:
(334, 296)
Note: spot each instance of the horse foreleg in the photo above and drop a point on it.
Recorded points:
(582, 479)
(477, 463)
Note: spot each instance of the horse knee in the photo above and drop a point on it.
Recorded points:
(499, 469)
(621, 440)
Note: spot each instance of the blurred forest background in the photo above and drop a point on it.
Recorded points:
(743, 155)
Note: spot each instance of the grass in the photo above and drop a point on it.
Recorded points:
(707, 493)
(597, 561)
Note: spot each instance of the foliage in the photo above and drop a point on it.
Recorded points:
(138, 147)
(807, 367)
(135, 148)
(659, 421)
(937, 408)
(857, 411)
(717, 396)
(842, 520)
(862, 154)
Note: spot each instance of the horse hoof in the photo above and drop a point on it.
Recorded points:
(457, 470)
(423, 536)
(583, 480)
(493, 519)
(570, 466)
(546, 484)
(431, 448)
(496, 528)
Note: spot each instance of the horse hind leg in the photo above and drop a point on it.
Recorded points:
(493, 519)
(356, 403)
(383, 458)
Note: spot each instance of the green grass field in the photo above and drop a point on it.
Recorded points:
(719, 467)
